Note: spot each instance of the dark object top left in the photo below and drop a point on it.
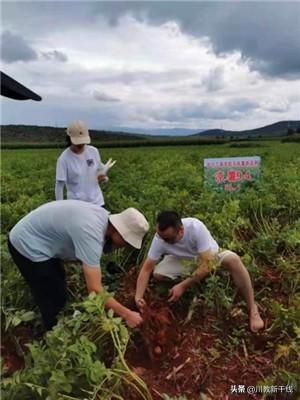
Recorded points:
(15, 90)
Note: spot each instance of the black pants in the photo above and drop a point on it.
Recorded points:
(47, 283)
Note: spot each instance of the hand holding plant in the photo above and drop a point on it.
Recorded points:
(133, 319)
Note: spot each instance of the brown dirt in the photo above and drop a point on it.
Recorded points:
(198, 356)
(159, 330)
(185, 357)
(198, 362)
(13, 348)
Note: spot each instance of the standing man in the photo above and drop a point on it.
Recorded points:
(71, 230)
(178, 239)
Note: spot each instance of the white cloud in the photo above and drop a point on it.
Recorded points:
(138, 74)
(100, 96)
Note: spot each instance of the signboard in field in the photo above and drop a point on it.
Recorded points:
(231, 174)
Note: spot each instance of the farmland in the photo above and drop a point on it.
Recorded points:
(209, 347)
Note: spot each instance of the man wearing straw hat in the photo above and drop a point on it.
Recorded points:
(71, 230)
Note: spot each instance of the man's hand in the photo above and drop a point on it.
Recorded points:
(176, 292)
(140, 303)
(133, 319)
(93, 280)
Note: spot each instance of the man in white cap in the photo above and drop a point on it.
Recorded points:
(188, 238)
(71, 230)
(80, 168)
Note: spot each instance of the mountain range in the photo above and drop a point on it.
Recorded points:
(46, 134)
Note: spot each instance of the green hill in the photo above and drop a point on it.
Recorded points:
(44, 135)
(277, 129)
(49, 134)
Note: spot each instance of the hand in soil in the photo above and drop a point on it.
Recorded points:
(141, 304)
(256, 322)
(133, 319)
(175, 292)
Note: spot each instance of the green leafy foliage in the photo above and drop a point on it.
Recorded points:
(75, 361)
(260, 223)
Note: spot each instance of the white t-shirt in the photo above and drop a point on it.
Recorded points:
(196, 239)
(65, 229)
(79, 173)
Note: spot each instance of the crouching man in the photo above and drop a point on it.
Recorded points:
(177, 239)
(71, 230)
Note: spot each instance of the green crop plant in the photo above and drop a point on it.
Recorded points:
(73, 362)
(84, 356)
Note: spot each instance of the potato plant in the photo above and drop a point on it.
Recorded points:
(261, 223)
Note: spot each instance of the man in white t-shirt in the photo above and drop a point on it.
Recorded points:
(71, 230)
(188, 238)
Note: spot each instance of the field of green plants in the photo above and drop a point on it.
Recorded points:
(92, 355)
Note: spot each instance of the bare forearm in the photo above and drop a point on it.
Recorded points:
(111, 302)
(117, 307)
(142, 283)
(197, 276)
(93, 280)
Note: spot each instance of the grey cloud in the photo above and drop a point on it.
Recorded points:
(215, 80)
(43, 17)
(100, 96)
(143, 76)
(55, 55)
(231, 109)
(276, 106)
(53, 112)
(279, 108)
(14, 48)
(267, 33)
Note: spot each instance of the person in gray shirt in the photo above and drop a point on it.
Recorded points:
(71, 230)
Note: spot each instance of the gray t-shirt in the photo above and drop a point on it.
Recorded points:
(65, 229)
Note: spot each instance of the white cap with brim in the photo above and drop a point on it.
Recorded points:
(79, 133)
(131, 225)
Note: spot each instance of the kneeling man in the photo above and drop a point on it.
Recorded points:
(177, 239)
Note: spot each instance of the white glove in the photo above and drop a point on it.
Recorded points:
(103, 171)
(110, 163)
(76, 313)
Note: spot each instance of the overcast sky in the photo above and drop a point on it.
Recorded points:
(230, 65)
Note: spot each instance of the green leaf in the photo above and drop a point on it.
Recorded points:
(28, 316)
(16, 321)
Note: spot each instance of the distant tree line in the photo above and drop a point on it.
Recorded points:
(291, 131)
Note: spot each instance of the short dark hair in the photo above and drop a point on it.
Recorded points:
(168, 219)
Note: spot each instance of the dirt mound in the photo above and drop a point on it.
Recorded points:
(159, 330)
(181, 353)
